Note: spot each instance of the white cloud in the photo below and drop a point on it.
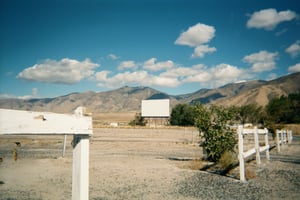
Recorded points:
(113, 56)
(272, 76)
(172, 75)
(294, 68)
(34, 94)
(135, 78)
(217, 75)
(268, 19)
(261, 61)
(199, 51)
(196, 35)
(152, 65)
(294, 49)
(65, 71)
(182, 72)
(200, 77)
(102, 76)
(127, 65)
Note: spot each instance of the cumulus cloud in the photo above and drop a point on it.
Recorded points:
(182, 72)
(127, 65)
(170, 74)
(294, 49)
(196, 36)
(113, 56)
(201, 50)
(217, 75)
(262, 61)
(136, 78)
(294, 68)
(268, 19)
(152, 65)
(64, 71)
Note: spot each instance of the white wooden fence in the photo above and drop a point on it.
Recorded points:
(16, 122)
(283, 137)
(254, 150)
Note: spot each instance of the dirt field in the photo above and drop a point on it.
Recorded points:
(138, 164)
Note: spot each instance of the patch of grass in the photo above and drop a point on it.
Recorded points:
(196, 164)
(228, 158)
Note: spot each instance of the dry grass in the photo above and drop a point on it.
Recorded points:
(294, 127)
(227, 159)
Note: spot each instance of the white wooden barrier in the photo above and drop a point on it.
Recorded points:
(16, 122)
(283, 137)
(257, 149)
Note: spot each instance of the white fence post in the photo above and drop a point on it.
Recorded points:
(256, 150)
(282, 137)
(241, 153)
(290, 136)
(256, 140)
(267, 144)
(64, 146)
(278, 140)
(80, 177)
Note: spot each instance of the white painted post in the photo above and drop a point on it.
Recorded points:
(241, 152)
(64, 146)
(256, 140)
(282, 139)
(290, 136)
(278, 140)
(80, 177)
(267, 144)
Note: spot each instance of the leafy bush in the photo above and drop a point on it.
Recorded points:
(212, 125)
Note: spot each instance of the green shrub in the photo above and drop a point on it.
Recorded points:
(212, 125)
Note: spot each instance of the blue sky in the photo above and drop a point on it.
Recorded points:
(55, 47)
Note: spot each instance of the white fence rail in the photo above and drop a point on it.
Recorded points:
(283, 137)
(16, 122)
(255, 150)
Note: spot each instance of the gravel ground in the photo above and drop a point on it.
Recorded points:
(276, 181)
(140, 164)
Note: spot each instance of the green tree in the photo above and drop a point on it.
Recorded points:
(182, 115)
(212, 125)
(251, 113)
(284, 109)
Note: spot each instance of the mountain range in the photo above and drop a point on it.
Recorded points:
(128, 99)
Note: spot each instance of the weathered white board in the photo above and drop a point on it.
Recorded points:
(28, 122)
(16, 122)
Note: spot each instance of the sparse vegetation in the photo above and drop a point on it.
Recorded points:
(138, 120)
